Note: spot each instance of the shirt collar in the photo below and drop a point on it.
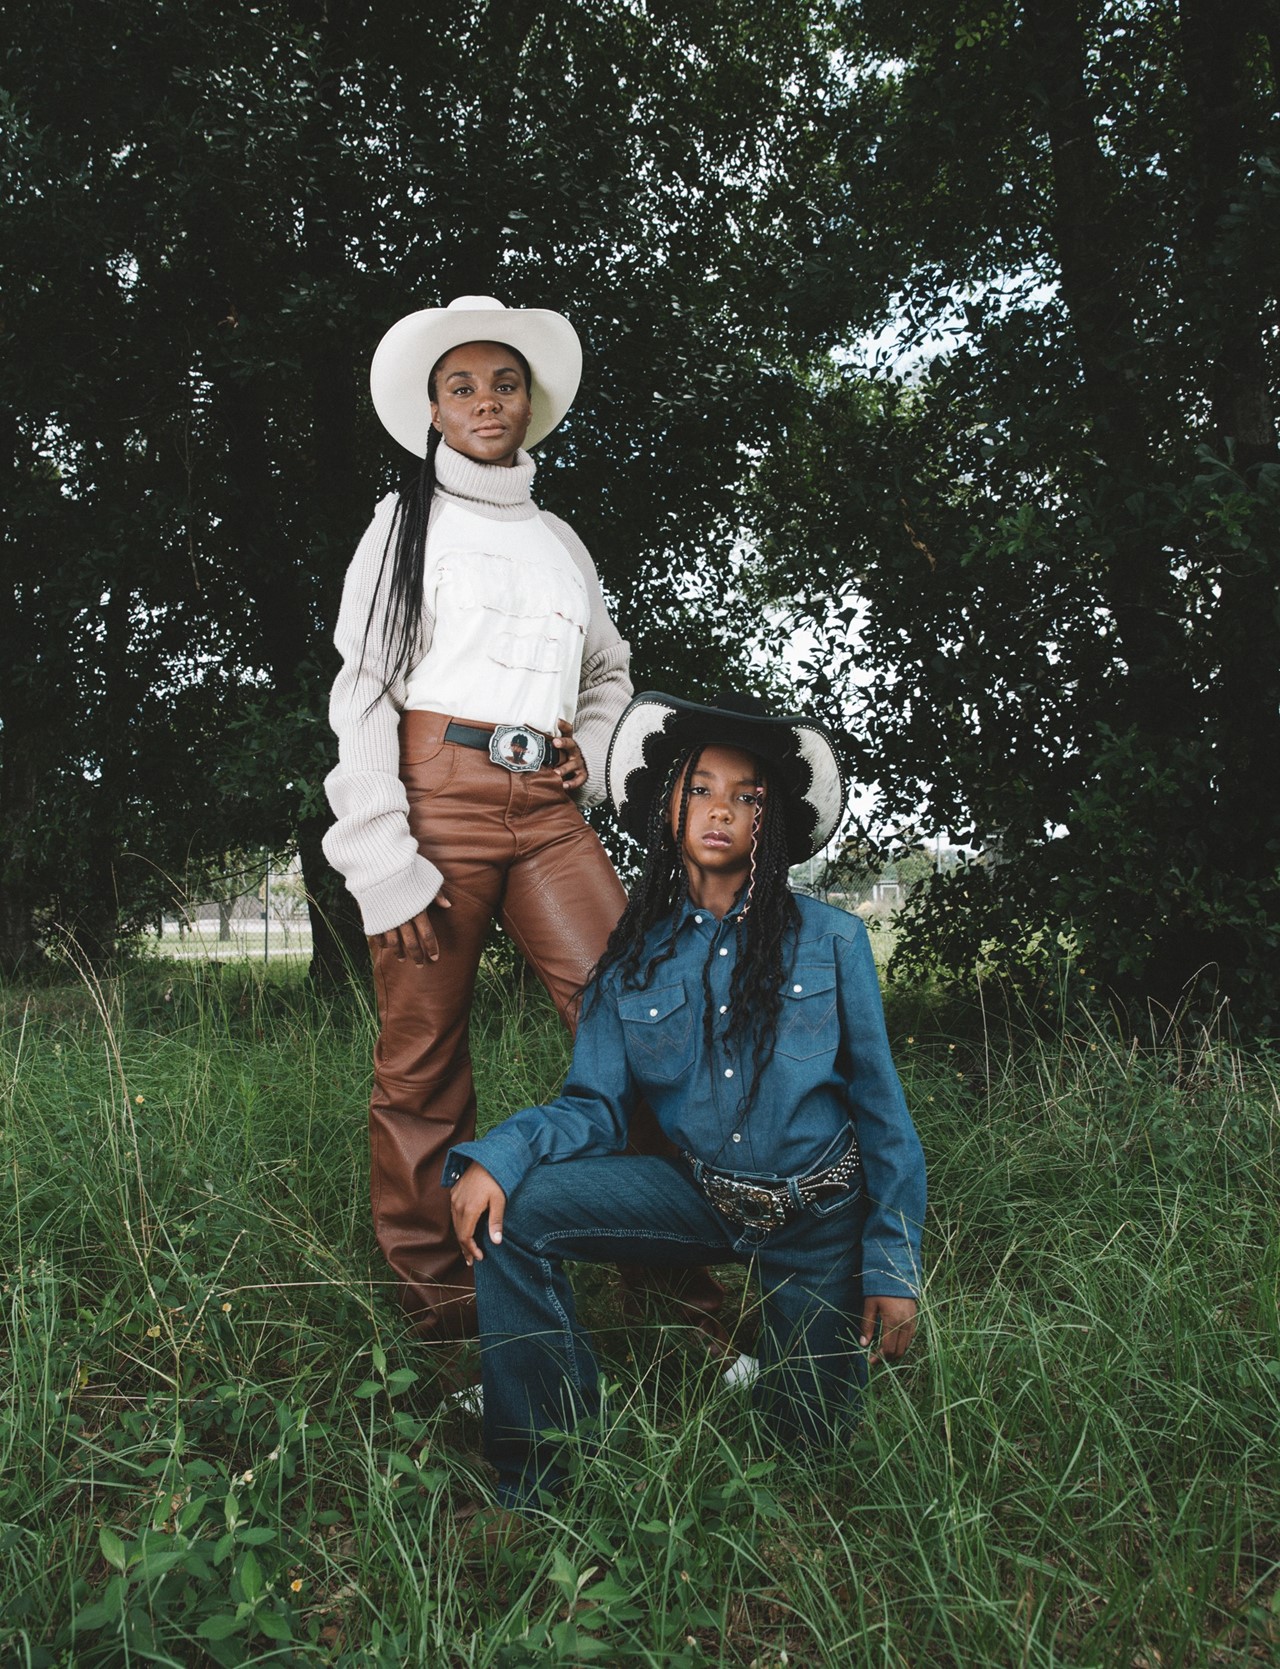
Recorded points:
(689, 911)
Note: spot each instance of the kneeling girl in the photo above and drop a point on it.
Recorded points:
(750, 1020)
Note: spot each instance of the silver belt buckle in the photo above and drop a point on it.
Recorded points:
(517, 748)
(753, 1207)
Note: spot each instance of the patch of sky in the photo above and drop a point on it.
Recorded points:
(125, 270)
(914, 336)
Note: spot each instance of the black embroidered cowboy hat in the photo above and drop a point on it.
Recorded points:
(657, 731)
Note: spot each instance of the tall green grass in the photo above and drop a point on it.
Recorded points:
(220, 1445)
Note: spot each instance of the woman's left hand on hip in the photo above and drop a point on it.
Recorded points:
(572, 767)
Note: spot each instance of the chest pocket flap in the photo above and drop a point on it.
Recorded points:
(807, 1022)
(657, 1027)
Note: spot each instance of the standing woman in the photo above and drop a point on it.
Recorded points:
(481, 680)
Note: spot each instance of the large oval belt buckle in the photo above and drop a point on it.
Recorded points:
(517, 749)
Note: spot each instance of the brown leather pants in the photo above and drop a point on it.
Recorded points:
(515, 847)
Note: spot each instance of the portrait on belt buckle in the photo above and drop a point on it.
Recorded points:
(517, 749)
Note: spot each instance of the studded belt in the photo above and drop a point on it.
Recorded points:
(756, 1204)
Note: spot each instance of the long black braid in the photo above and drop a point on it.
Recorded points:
(397, 595)
(761, 926)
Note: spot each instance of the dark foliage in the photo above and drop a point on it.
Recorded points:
(213, 214)
(1038, 531)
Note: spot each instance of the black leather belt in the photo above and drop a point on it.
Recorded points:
(516, 747)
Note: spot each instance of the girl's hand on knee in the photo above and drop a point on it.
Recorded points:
(896, 1319)
(416, 939)
(472, 1195)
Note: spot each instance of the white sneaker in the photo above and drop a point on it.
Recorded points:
(741, 1374)
(469, 1400)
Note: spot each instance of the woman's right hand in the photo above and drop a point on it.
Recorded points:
(416, 939)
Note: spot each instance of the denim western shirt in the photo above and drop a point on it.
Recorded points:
(830, 1065)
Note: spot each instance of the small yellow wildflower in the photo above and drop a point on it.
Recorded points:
(226, 1309)
(153, 1332)
(295, 1587)
(138, 1100)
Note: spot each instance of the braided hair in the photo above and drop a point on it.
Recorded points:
(397, 594)
(768, 914)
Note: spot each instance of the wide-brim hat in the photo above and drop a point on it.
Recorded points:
(657, 731)
(403, 361)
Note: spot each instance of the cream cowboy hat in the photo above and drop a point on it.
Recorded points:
(657, 731)
(403, 360)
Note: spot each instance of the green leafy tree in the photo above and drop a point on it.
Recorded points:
(1043, 568)
(215, 213)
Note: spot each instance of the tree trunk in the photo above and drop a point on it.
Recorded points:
(470, 262)
(1228, 263)
(1099, 267)
(1230, 800)
(339, 496)
(18, 779)
(23, 746)
(92, 916)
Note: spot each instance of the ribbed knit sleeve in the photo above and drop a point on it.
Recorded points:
(370, 843)
(604, 688)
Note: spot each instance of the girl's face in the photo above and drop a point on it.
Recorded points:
(481, 403)
(724, 793)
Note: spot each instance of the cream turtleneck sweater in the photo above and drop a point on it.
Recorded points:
(370, 842)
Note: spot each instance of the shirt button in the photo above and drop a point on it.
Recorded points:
(724, 1008)
(797, 987)
(698, 919)
(724, 950)
(736, 1136)
(728, 1072)
(653, 1014)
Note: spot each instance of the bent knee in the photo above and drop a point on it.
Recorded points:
(534, 1207)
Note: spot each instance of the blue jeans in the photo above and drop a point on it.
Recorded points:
(537, 1366)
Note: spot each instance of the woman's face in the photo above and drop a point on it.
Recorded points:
(481, 403)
